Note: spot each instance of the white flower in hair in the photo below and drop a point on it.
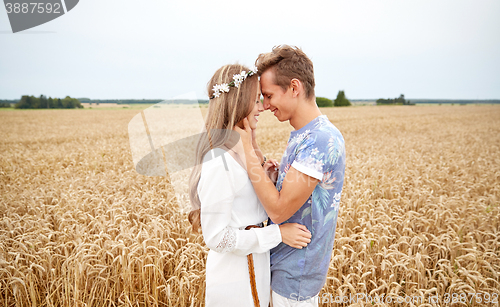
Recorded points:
(224, 87)
(237, 80)
(216, 90)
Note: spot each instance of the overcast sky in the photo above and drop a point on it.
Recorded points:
(157, 49)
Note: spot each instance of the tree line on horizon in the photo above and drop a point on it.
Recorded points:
(42, 102)
(32, 102)
(397, 101)
(120, 101)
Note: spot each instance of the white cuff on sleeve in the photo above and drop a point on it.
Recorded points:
(308, 171)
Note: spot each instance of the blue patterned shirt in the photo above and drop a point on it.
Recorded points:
(317, 150)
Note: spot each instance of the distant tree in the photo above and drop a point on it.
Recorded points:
(43, 102)
(397, 101)
(71, 103)
(400, 99)
(4, 105)
(382, 101)
(404, 101)
(35, 102)
(21, 103)
(51, 103)
(24, 103)
(341, 100)
(66, 101)
(324, 102)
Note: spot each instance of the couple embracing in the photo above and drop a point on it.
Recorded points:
(234, 188)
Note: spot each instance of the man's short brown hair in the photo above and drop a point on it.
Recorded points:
(289, 63)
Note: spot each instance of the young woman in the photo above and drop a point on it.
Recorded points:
(224, 201)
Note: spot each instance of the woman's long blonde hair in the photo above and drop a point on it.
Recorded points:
(223, 114)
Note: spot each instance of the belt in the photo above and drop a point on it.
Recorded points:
(251, 271)
(251, 226)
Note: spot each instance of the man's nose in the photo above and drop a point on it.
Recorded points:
(261, 107)
(266, 104)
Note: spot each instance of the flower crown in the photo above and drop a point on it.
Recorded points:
(237, 80)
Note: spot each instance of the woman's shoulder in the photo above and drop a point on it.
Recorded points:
(215, 169)
(216, 161)
(213, 157)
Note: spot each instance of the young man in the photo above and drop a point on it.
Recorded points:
(310, 177)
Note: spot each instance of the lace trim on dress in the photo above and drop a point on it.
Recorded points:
(228, 241)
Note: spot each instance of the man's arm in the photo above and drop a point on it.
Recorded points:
(296, 187)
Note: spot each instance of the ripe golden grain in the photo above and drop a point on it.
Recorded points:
(79, 227)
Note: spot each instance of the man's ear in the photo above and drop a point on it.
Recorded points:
(296, 87)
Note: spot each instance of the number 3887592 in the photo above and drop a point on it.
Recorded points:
(33, 8)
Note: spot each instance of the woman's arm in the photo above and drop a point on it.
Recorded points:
(260, 240)
(256, 148)
(216, 193)
(270, 166)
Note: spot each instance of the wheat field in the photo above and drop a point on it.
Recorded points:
(420, 213)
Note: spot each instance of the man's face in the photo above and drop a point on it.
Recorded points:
(275, 99)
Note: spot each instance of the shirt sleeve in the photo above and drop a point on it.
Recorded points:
(216, 193)
(310, 157)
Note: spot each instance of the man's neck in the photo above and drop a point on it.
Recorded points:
(305, 112)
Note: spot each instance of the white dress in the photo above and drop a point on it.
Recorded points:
(228, 205)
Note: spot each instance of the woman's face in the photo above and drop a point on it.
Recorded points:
(256, 108)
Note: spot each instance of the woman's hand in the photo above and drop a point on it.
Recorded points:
(295, 235)
(245, 134)
(254, 139)
(271, 169)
